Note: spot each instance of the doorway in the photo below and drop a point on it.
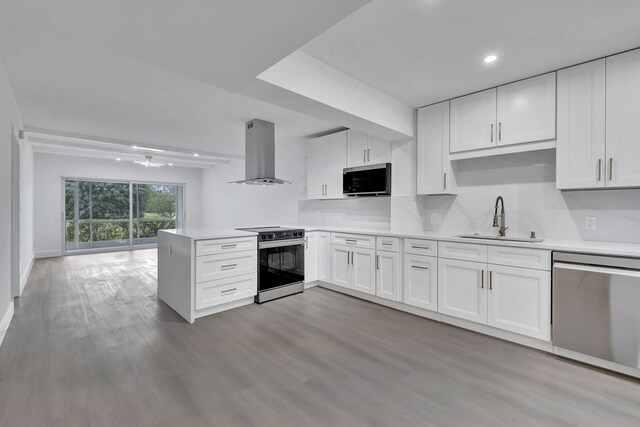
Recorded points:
(102, 215)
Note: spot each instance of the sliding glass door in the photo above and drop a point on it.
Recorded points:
(106, 214)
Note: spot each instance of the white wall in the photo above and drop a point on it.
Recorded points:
(233, 205)
(48, 198)
(26, 211)
(9, 117)
(527, 183)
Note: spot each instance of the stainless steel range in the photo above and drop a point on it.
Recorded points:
(280, 262)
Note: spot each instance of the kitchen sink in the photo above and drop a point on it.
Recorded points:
(500, 238)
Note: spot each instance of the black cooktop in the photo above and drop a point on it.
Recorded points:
(275, 232)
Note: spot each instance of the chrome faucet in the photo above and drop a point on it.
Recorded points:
(498, 220)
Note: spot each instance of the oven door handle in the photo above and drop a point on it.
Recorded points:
(280, 243)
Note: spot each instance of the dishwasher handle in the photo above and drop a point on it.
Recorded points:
(597, 269)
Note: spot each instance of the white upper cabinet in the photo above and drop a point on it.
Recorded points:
(623, 120)
(434, 172)
(325, 164)
(517, 113)
(473, 119)
(363, 149)
(526, 110)
(581, 126)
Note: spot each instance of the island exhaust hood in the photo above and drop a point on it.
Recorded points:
(260, 154)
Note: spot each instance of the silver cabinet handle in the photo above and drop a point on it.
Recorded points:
(490, 280)
(364, 155)
(599, 170)
(500, 131)
(348, 255)
(351, 258)
(610, 168)
(445, 180)
(377, 262)
(482, 281)
(351, 241)
(229, 246)
(228, 266)
(419, 247)
(491, 132)
(368, 154)
(419, 267)
(228, 291)
(387, 243)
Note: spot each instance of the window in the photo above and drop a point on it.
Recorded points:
(103, 214)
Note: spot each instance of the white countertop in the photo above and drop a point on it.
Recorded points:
(209, 233)
(580, 246)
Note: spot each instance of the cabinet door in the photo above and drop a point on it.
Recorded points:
(357, 145)
(520, 300)
(315, 168)
(364, 270)
(433, 164)
(580, 156)
(378, 151)
(527, 110)
(623, 123)
(473, 119)
(311, 257)
(324, 256)
(388, 275)
(421, 281)
(336, 161)
(461, 289)
(341, 266)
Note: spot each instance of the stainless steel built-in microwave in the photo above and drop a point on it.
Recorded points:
(370, 180)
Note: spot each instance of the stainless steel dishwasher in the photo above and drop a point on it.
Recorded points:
(596, 309)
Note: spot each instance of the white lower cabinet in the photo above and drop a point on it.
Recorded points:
(363, 267)
(388, 275)
(421, 281)
(311, 257)
(341, 266)
(461, 289)
(354, 268)
(324, 256)
(519, 300)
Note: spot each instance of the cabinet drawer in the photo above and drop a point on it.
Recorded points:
(420, 247)
(539, 259)
(216, 292)
(219, 246)
(391, 244)
(211, 267)
(357, 240)
(463, 251)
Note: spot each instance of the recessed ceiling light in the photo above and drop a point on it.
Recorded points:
(490, 58)
(118, 159)
(170, 164)
(196, 155)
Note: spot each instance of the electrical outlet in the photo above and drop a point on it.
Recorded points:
(436, 219)
(590, 222)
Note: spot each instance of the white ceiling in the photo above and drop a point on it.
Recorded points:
(155, 72)
(424, 51)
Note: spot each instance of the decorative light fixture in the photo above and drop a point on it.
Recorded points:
(148, 163)
(490, 58)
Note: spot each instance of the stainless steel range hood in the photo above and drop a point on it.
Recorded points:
(260, 154)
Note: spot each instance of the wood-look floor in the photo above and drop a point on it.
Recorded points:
(91, 345)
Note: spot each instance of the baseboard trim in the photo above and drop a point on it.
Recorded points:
(443, 318)
(25, 276)
(47, 254)
(6, 321)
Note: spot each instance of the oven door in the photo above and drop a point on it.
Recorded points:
(281, 263)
